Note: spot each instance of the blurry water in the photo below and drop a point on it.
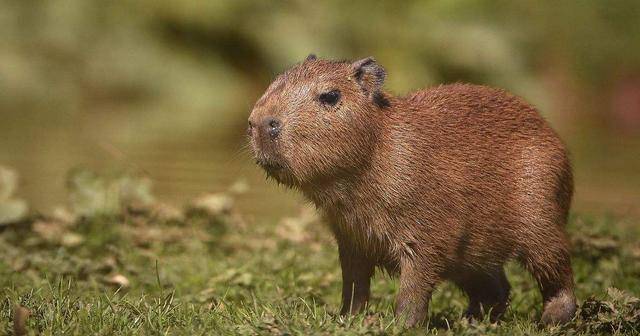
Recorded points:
(182, 165)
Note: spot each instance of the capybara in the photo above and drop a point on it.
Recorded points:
(446, 183)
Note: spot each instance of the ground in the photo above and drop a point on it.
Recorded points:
(153, 269)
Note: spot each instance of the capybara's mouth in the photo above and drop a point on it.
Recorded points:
(269, 165)
(276, 170)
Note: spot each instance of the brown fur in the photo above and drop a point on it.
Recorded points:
(446, 183)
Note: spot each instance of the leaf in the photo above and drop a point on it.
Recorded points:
(296, 229)
(167, 212)
(118, 280)
(213, 204)
(239, 187)
(88, 192)
(93, 194)
(8, 183)
(71, 239)
(133, 190)
(20, 316)
(12, 211)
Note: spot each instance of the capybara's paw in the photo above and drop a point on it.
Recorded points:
(410, 315)
(559, 309)
(477, 311)
(354, 308)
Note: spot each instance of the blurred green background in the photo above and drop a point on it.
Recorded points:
(164, 88)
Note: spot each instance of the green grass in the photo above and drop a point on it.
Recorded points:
(213, 273)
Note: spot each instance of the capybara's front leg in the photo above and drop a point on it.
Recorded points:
(357, 271)
(417, 283)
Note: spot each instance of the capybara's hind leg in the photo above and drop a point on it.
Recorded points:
(552, 269)
(488, 293)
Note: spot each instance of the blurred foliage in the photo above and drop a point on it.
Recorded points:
(193, 65)
(167, 85)
(93, 194)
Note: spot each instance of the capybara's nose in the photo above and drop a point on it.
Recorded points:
(272, 126)
(250, 128)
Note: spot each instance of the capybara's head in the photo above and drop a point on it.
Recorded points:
(317, 120)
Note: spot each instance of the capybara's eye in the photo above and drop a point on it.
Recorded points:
(330, 98)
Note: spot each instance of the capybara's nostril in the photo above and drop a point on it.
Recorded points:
(273, 126)
(250, 128)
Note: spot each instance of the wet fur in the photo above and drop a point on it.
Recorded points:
(447, 183)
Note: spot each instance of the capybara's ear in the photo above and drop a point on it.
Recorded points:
(311, 57)
(369, 74)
